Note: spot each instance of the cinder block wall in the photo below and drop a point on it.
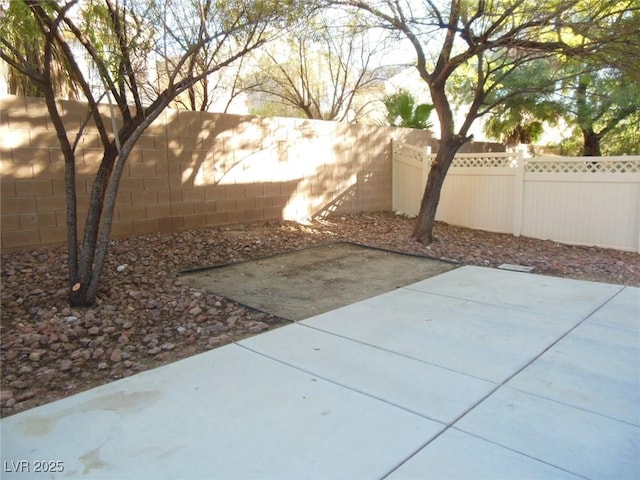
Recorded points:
(192, 169)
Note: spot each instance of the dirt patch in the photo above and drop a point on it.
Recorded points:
(314, 280)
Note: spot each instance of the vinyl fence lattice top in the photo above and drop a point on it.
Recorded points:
(490, 160)
(408, 151)
(575, 200)
(584, 165)
(537, 165)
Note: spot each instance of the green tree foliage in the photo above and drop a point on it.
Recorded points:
(624, 139)
(488, 40)
(517, 116)
(600, 103)
(20, 33)
(402, 111)
(617, 36)
(595, 101)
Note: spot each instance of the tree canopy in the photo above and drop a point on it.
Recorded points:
(488, 41)
(594, 100)
(323, 70)
(140, 55)
(20, 32)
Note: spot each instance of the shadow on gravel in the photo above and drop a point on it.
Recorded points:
(314, 280)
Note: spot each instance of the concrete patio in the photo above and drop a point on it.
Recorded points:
(474, 373)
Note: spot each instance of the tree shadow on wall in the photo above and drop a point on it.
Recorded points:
(228, 158)
(193, 169)
(212, 146)
(231, 168)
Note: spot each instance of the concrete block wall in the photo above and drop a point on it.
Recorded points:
(192, 169)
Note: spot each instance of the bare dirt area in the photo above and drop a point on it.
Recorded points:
(315, 280)
(146, 315)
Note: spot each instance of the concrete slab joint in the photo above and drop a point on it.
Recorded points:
(472, 373)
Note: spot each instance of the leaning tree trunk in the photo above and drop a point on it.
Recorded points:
(423, 230)
(86, 269)
(107, 221)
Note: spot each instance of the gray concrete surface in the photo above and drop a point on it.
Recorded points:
(474, 373)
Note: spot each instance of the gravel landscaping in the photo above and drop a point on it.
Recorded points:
(146, 316)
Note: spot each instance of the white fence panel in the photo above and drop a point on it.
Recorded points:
(583, 201)
(481, 191)
(410, 168)
(487, 201)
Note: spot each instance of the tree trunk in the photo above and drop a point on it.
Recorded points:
(93, 251)
(423, 230)
(591, 143)
(591, 140)
(78, 296)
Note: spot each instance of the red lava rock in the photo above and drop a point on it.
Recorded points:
(5, 395)
(18, 384)
(25, 396)
(138, 311)
(35, 356)
(65, 365)
(258, 327)
(10, 355)
(150, 338)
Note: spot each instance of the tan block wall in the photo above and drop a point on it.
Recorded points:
(192, 169)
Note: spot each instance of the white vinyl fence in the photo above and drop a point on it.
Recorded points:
(581, 201)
